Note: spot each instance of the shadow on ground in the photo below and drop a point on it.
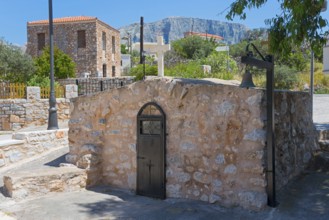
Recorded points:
(307, 197)
(126, 205)
(56, 162)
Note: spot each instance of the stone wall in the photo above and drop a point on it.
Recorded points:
(296, 137)
(27, 184)
(215, 148)
(28, 144)
(88, 60)
(19, 113)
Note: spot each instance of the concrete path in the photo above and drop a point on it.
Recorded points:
(305, 198)
(50, 159)
(321, 108)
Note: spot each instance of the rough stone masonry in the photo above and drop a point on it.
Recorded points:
(215, 149)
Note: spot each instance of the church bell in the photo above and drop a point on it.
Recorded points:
(247, 80)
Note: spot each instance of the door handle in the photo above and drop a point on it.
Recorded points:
(138, 157)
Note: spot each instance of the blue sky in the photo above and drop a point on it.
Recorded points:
(15, 13)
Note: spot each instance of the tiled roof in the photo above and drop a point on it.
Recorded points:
(203, 35)
(64, 20)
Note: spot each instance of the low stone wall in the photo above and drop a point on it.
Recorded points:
(27, 184)
(295, 134)
(215, 148)
(28, 144)
(19, 113)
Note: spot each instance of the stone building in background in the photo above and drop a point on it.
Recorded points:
(92, 44)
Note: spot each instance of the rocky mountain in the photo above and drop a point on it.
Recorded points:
(173, 28)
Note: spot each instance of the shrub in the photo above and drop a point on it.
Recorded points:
(40, 81)
(64, 67)
(138, 71)
(285, 78)
(191, 69)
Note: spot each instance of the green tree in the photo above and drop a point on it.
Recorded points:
(297, 59)
(15, 65)
(64, 66)
(172, 58)
(256, 34)
(239, 49)
(299, 22)
(135, 57)
(194, 47)
(124, 49)
(222, 65)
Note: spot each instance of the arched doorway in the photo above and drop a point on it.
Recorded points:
(151, 144)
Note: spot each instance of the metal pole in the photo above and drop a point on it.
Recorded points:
(268, 64)
(52, 118)
(270, 135)
(312, 81)
(130, 49)
(129, 43)
(141, 40)
(227, 61)
(144, 77)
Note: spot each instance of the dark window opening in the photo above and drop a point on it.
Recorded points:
(113, 44)
(104, 70)
(41, 41)
(150, 127)
(104, 40)
(82, 39)
(113, 71)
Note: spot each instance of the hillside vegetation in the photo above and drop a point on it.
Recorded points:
(187, 56)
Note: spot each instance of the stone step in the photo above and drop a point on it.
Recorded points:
(27, 144)
(4, 216)
(27, 184)
(323, 131)
(324, 145)
(320, 162)
(9, 142)
(323, 134)
(8, 152)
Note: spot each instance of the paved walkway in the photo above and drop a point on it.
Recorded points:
(321, 108)
(305, 198)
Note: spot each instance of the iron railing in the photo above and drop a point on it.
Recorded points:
(93, 85)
